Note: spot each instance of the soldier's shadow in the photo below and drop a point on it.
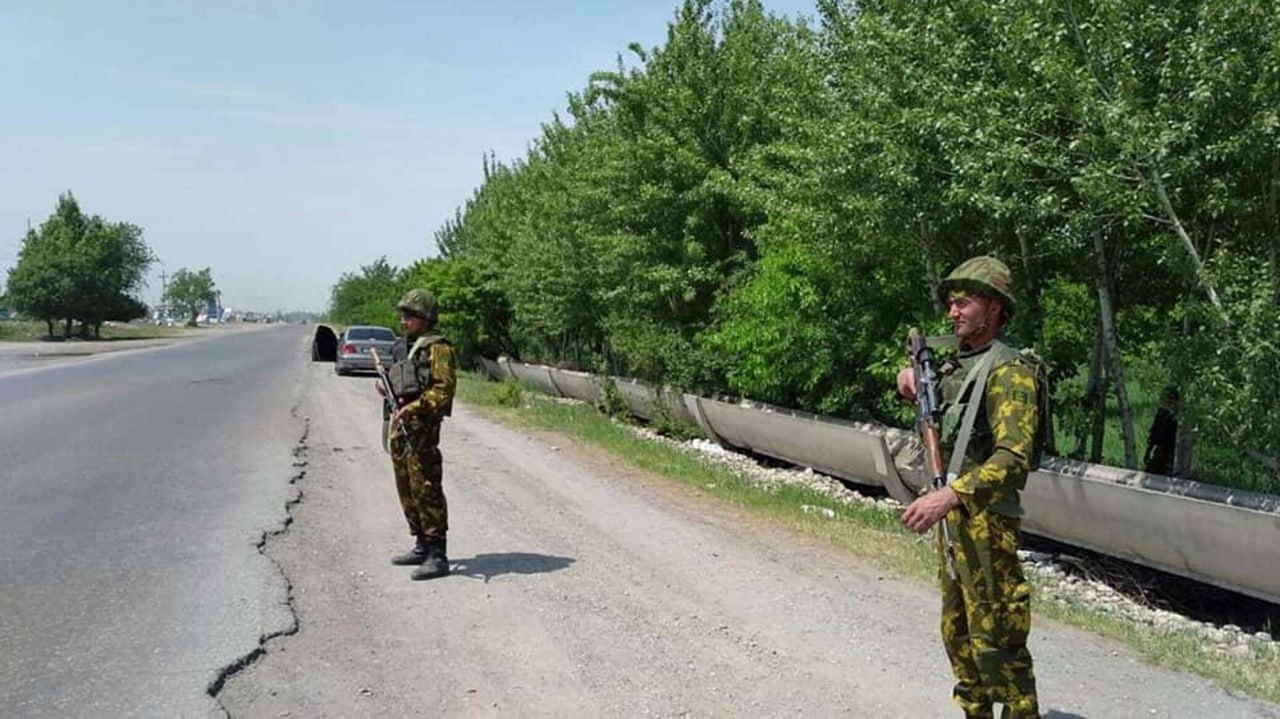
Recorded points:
(1055, 714)
(488, 566)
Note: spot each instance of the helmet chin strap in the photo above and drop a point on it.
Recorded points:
(986, 319)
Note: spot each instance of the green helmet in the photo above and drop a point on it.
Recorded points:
(985, 275)
(421, 303)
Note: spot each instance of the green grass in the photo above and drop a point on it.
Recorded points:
(867, 533)
(23, 331)
(1222, 466)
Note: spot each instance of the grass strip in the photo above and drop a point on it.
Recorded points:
(867, 533)
(23, 331)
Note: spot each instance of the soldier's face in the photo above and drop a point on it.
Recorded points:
(412, 324)
(972, 315)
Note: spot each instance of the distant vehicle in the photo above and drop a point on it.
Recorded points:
(354, 346)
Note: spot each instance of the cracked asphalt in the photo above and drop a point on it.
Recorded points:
(203, 530)
(135, 488)
(585, 588)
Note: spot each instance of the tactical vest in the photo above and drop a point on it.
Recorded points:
(959, 387)
(411, 376)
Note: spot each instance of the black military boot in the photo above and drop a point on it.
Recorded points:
(416, 555)
(436, 564)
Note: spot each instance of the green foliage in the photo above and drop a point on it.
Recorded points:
(191, 292)
(473, 311)
(609, 398)
(367, 298)
(509, 393)
(669, 425)
(760, 207)
(79, 268)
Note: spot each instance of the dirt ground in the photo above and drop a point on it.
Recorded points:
(584, 588)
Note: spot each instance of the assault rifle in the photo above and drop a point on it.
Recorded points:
(929, 410)
(389, 403)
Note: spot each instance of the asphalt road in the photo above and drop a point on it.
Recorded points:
(585, 588)
(134, 489)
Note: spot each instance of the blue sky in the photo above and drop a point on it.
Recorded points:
(284, 143)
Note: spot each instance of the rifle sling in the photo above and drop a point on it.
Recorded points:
(975, 385)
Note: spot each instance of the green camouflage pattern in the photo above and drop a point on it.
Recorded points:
(420, 473)
(421, 303)
(984, 275)
(986, 617)
(998, 456)
(420, 484)
(442, 373)
(986, 614)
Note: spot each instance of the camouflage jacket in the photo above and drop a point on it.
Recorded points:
(997, 458)
(437, 362)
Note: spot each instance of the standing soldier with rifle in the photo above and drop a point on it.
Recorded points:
(422, 385)
(991, 421)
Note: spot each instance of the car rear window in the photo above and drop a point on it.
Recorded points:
(371, 333)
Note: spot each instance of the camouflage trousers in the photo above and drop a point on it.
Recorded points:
(420, 483)
(986, 617)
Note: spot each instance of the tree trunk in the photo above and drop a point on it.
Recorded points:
(1172, 217)
(1033, 318)
(930, 267)
(48, 321)
(1115, 364)
(1091, 395)
(1098, 433)
(1273, 227)
(66, 328)
(1184, 445)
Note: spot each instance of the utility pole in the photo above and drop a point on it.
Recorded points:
(164, 301)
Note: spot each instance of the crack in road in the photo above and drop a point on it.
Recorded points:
(299, 464)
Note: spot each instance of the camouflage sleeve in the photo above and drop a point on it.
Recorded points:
(444, 380)
(1013, 415)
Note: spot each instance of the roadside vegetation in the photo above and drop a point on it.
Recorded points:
(870, 534)
(23, 331)
(82, 274)
(760, 206)
(78, 269)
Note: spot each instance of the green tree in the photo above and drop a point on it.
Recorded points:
(114, 260)
(761, 207)
(38, 285)
(473, 312)
(191, 292)
(368, 297)
(78, 267)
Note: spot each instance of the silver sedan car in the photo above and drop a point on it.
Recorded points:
(355, 345)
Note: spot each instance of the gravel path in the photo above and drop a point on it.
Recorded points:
(584, 588)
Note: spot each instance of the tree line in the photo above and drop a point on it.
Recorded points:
(760, 206)
(82, 269)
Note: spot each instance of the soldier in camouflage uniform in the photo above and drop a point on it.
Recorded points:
(986, 614)
(423, 382)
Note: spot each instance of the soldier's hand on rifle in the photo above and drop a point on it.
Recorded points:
(907, 384)
(381, 390)
(929, 510)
